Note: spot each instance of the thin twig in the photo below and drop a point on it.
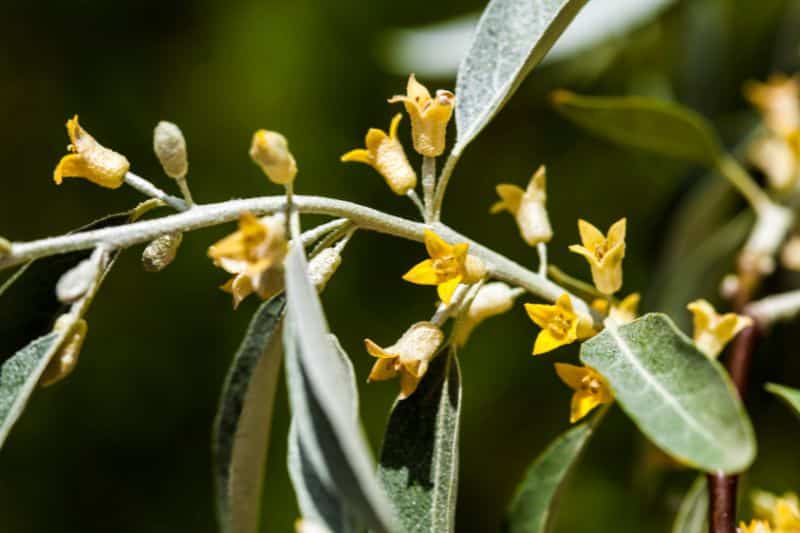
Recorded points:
(428, 185)
(441, 187)
(148, 189)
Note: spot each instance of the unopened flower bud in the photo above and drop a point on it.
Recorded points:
(528, 207)
(170, 148)
(270, 150)
(77, 281)
(5, 248)
(492, 299)
(65, 359)
(790, 254)
(323, 266)
(161, 252)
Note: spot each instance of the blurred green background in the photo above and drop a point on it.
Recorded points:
(123, 444)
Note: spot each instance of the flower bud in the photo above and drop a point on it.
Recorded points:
(170, 148)
(270, 150)
(492, 299)
(323, 266)
(161, 252)
(528, 207)
(77, 281)
(65, 359)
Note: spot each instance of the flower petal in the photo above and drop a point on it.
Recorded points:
(446, 289)
(582, 404)
(393, 126)
(359, 155)
(422, 274)
(510, 195)
(436, 246)
(571, 374)
(408, 384)
(376, 351)
(374, 139)
(541, 314)
(546, 342)
(71, 166)
(586, 253)
(591, 237)
(616, 233)
(382, 370)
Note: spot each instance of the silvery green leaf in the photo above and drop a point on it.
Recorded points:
(790, 396)
(512, 37)
(681, 400)
(19, 375)
(319, 500)
(419, 459)
(244, 420)
(321, 405)
(408, 49)
(661, 127)
(692, 515)
(536, 498)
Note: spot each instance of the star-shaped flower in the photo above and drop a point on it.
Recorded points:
(560, 324)
(713, 331)
(604, 254)
(590, 389)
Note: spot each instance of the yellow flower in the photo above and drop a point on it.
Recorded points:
(270, 151)
(713, 331)
(429, 116)
(90, 160)
(448, 266)
(778, 100)
(783, 512)
(755, 526)
(590, 389)
(254, 254)
(623, 312)
(385, 154)
(560, 324)
(527, 207)
(604, 254)
(409, 356)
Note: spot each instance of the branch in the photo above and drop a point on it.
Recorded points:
(202, 216)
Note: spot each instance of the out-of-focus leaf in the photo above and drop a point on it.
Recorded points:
(511, 39)
(408, 49)
(244, 419)
(322, 411)
(692, 515)
(788, 395)
(19, 375)
(664, 128)
(28, 303)
(680, 399)
(318, 500)
(533, 506)
(419, 459)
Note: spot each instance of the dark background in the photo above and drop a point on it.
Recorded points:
(123, 444)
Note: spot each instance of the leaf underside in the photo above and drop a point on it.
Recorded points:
(419, 459)
(243, 423)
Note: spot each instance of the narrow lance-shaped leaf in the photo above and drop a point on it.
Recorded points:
(692, 515)
(511, 39)
(679, 398)
(419, 459)
(319, 402)
(244, 419)
(790, 396)
(318, 500)
(533, 507)
(648, 124)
